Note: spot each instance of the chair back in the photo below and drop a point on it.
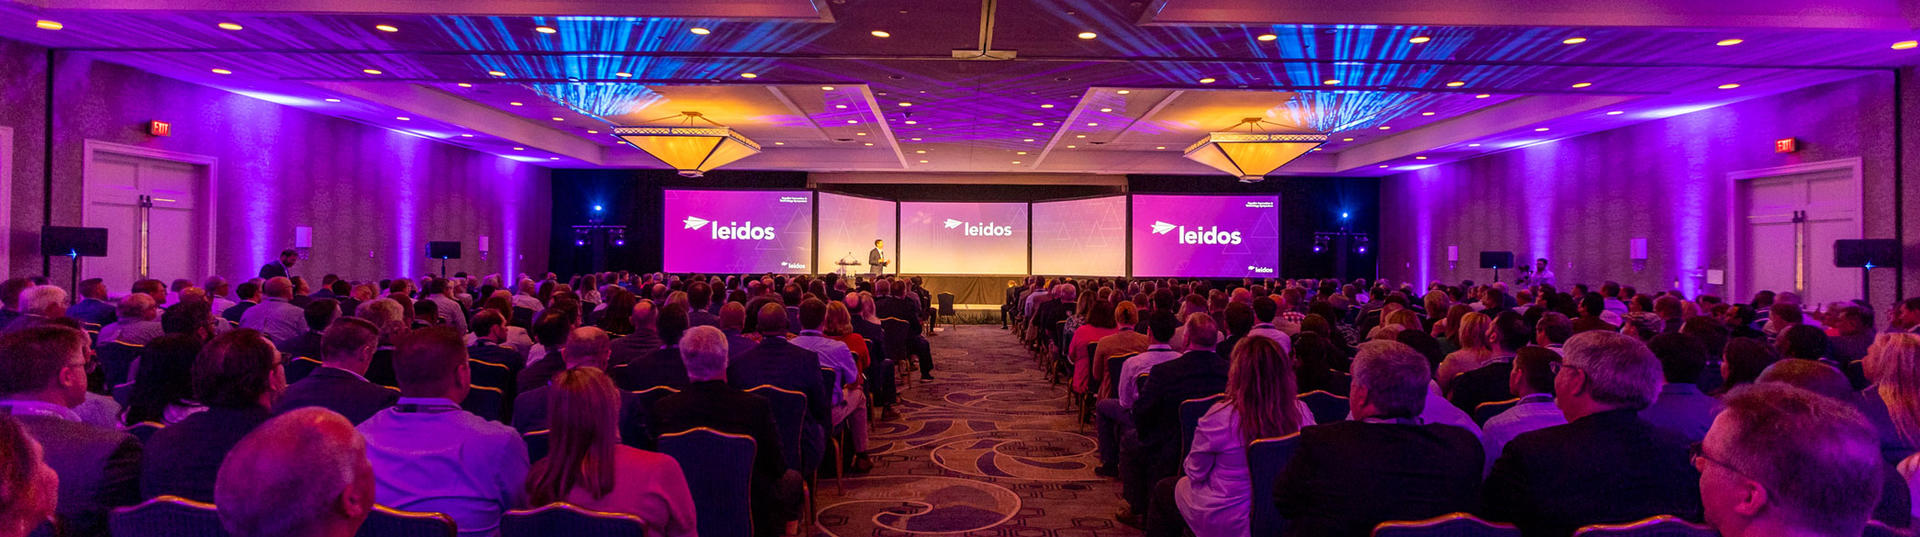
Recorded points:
(719, 469)
(1266, 457)
(491, 375)
(487, 402)
(389, 522)
(144, 430)
(536, 443)
(570, 520)
(1658, 526)
(166, 516)
(1140, 382)
(1486, 411)
(300, 367)
(898, 334)
(1326, 407)
(789, 416)
(522, 317)
(1877, 528)
(653, 395)
(1448, 525)
(1110, 371)
(829, 378)
(1190, 412)
(116, 361)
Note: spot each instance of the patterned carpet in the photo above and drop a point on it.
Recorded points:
(989, 449)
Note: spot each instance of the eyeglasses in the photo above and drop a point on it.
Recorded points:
(1698, 453)
(1555, 367)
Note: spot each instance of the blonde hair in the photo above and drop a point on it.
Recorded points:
(584, 408)
(839, 321)
(1262, 389)
(1893, 363)
(1472, 332)
(1405, 318)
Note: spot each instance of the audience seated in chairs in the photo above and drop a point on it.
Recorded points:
(319, 314)
(43, 376)
(162, 390)
(1113, 417)
(340, 384)
(490, 341)
(429, 455)
(38, 305)
(1531, 380)
(587, 347)
(777, 362)
(641, 369)
(1215, 498)
(1199, 372)
(847, 389)
(1681, 406)
(302, 474)
(712, 403)
(135, 323)
(1786, 461)
(237, 376)
(587, 466)
(550, 331)
(93, 308)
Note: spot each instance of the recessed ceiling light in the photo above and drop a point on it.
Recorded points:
(1730, 42)
(1616, 112)
(1331, 81)
(1456, 83)
(881, 34)
(1039, 124)
(1346, 139)
(1026, 140)
(1124, 92)
(749, 75)
(1426, 113)
(1483, 96)
(623, 74)
(465, 85)
(496, 73)
(1729, 85)
(1421, 157)
(229, 26)
(1385, 128)
(332, 100)
(219, 71)
(840, 106)
(553, 158)
(55, 25)
(1314, 149)
(519, 149)
(1473, 145)
(1541, 129)
(912, 122)
(1582, 84)
(1383, 165)
(370, 71)
(1159, 147)
(914, 139)
(920, 151)
(385, 28)
(1046, 106)
(1016, 162)
(1574, 40)
(546, 29)
(853, 121)
(779, 143)
(859, 134)
(699, 31)
(404, 118)
(1208, 80)
(1903, 45)
(1418, 39)
(1019, 152)
(868, 144)
(906, 104)
(1106, 109)
(1079, 136)
(466, 136)
(1091, 124)
(826, 88)
(1073, 147)
(559, 118)
(1088, 35)
(517, 103)
(598, 132)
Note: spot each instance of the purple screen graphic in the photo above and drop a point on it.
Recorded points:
(1206, 236)
(717, 231)
(963, 238)
(1085, 237)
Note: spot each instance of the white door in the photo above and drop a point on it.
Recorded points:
(1784, 234)
(150, 208)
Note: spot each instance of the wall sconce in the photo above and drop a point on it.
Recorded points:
(1453, 257)
(303, 241)
(484, 247)
(1637, 251)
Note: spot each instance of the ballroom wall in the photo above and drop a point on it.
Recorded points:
(372, 195)
(1580, 201)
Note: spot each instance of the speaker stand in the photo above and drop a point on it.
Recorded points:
(1496, 274)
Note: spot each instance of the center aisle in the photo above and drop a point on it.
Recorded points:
(989, 449)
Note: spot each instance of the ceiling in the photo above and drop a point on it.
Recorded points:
(1397, 85)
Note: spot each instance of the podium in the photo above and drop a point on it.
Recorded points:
(843, 263)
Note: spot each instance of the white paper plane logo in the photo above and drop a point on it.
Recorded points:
(951, 223)
(695, 222)
(1161, 228)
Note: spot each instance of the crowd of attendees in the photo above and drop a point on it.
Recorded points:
(294, 411)
(1544, 408)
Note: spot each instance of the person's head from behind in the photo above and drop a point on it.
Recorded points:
(1473, 332)
(136, 307)
(1509, 332)
(1262, 388)
(733, 317)
(1744, 359)
(321, 313)
(1803, 342)
(1552, 329)
(490, 325)
(584, 409)
(278, 287)
(45, 363)
(150, 287)
(771, 320)
(349, 343)
(46, 300)
(189, 318)
(1389, 381)
(289, 256)
(1809, 375)
(813, 314)
(1786, 461)
(1533, 371)
(432, 362)
(1682, 357)
(1604, 371)
(1202, 333)
(587, 346)
(1161, 326)
(29, 489)
(303, 473)
(1238, 317)
(644, 317)
(703, 349)
(238, 369)
(1265, 309)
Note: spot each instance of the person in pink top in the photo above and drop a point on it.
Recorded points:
(1100, 324)
(587, 466)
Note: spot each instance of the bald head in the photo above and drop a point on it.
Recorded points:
(587, 346)
(278, 287)
(304, 473)
(644, 316)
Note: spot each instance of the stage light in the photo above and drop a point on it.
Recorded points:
(699, 31)
(1360, 245)
(386, 28)
(1730, 42)
(1456, 83)
(1088, 35)
(749, 75)
(1344, 215)
(219, 71)
(1251, 155)
(1616, 112)
(1483, 96)
(690, 149)
(332, 100)
(1577, 85)
(1574, 40)
(598, 208)
(779, 143)
(1267, 37)
(618, 236)
(55, 25)
(1729, 86)
(1903, 45)
(1208, 80)
(229, 26)
(881, 34)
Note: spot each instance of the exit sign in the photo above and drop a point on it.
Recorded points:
(1786, 145)
(159, 128)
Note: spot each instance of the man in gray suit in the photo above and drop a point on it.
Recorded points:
(43, 376)
(877, 257)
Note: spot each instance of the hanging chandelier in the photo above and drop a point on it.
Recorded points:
(1253, 153)
(688, 148)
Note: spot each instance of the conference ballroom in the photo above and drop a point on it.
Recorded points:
(942, 268)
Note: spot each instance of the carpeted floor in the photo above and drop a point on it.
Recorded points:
(988, 449)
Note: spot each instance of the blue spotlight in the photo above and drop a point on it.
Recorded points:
(598, 208)
(1343, 214)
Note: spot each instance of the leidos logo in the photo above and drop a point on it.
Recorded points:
(733, 230)
(1208, 235)
(979, 230)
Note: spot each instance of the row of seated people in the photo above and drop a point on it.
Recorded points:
(199, 410)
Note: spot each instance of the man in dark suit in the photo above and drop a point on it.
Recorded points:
(778, 362)
(278, 268)
(43, 376)
(586, 347)
(550, 331)
(663, 366)
(645, 337)
(700, 302)
(1346, 477)
(1488, 383)
(249, 293)
(890, 302)
(1606, 465)
(877, 258)
(237, 376)
(319, 314)
(490, 329)
(340, 384)
(93, 306)
(711, 402)
(1198, 373)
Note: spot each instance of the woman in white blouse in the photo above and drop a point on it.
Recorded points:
(1216, 496)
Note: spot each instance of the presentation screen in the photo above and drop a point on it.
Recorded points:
(734, 231)
(1085, 237)
(962, 238)
(848, 226)
(1206, 236)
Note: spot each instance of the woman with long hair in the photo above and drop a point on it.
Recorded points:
(163, 383)
(587, 466)
(29, 489)
(1893, 365)
(616, 318)
(1100, 323)
(1476, 348)
(1262, 401)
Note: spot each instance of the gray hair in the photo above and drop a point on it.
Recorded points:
(40, 297)
(1065, 291)
(282, 478)
(704, 349)
(1620, 369)
(1395, 376)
